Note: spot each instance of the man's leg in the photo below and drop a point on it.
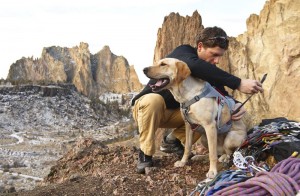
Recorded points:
(170, 143)
(148, 112)
(174, 141)
(180, 134)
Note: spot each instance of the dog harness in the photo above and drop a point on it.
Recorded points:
(209, 92)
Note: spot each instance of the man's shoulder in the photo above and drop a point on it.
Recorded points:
(182, 49)
(185, 47)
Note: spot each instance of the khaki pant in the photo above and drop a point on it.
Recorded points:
(150, 113)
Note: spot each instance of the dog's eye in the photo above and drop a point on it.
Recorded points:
(163, 64)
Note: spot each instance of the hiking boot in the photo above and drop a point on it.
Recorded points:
(172, 146)
(143, 162)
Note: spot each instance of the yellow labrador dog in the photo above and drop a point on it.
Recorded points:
(175, 75)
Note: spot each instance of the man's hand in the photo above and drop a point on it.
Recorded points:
(249, 86)
(240, 113)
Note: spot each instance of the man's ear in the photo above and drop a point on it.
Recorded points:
(183, 71)
(199, 47)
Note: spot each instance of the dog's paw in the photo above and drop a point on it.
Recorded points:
(211, 174)
(179, 164)
(225, 158)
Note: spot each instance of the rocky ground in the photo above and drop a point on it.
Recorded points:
(92, 168)
(39, 124)
(54, 141)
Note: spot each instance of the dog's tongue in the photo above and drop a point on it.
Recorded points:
(157, 84)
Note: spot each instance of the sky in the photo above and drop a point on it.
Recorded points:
(128, 27)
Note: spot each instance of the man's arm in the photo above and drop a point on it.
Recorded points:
(204, 70)
(250, 86)
(211, 73)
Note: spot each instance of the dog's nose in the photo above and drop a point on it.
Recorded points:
(145, 70)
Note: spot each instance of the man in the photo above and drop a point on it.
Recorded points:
(160, 110)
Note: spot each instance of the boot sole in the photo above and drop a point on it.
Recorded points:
(140, 169)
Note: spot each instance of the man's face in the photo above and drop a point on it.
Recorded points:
(211, 55)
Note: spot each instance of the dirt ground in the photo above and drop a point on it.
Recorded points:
(92, 168)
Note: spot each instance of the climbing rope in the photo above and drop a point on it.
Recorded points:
(283, 179)
(223, 179)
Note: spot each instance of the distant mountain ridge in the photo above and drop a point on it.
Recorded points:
(92, 74)
(270, 45)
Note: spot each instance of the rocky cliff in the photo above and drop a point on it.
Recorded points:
(177, 30)
(270, 45)
(92, 74)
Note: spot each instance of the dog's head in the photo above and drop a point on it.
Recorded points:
(167, 72)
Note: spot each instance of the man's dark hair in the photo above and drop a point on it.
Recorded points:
(212, 37)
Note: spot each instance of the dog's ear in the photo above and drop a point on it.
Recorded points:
(156, 63)
(183, 71)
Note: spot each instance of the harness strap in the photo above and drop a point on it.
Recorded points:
(204, 93)
(230, 103)
(194, 127)
(185, 107)
(209, 91)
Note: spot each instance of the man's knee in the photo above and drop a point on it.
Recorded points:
(151, 101)
(149, 104)
(152, 98)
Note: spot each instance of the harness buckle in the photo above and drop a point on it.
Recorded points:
(222, 101)
(197, 98)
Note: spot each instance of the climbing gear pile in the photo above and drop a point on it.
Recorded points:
(261, 140)
(283, 179)
(253, 175)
